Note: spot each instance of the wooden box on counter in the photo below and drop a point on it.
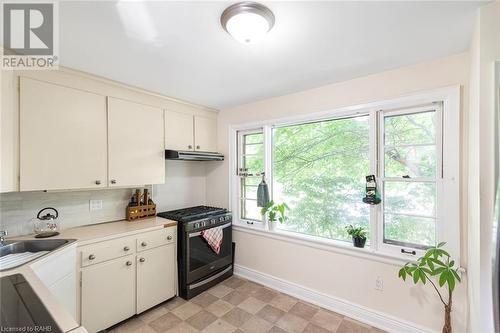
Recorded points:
(140, 212)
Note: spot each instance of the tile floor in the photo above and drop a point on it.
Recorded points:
(238, 305)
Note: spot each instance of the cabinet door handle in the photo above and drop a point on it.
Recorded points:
(91, 257)
(129, 263)
(113, 181)
(142, 260)
(190, 147)
(144, 244)
(198, 147)
(169, 237)
(126, 248)
(98, 182)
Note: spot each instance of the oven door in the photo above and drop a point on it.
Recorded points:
(201, 259)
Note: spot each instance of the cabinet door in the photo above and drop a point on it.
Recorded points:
(136, 144)
(205, 133)
(179, 131)
(108, 293)
(155, 276)
(62, 137)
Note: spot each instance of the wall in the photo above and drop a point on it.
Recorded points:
(18, 209)
(349, 278)
(185, 186)
(485, 50)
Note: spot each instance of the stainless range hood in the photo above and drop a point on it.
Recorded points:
(192, 156)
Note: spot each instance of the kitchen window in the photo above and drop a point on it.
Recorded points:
(410, 165)
(317, 166)
(250, 171)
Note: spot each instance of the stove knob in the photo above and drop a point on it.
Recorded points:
(221, 218)
(227, 218)
(196, 225)
(212, 221)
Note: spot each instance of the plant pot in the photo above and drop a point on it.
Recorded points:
(273, 225)
(358, 241)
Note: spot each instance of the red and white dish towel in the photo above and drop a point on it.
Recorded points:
(213, 236)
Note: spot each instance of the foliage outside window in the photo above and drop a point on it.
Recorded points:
(409, 182)
(319, 170)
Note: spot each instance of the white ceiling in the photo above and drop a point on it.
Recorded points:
(179, 48)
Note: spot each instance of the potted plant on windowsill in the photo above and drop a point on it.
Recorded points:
(435, 263)
(358, 235)
(274, 213)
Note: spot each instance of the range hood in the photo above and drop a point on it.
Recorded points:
(192, 156)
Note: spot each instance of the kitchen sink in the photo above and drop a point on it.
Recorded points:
(16, 253)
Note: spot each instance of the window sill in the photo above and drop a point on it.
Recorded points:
(322, 244)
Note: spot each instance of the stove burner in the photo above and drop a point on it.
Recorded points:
(192, 213)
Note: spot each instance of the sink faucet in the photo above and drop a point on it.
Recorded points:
(3, 233)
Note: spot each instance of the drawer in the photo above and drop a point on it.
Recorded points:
(156, 238)
(107, 250)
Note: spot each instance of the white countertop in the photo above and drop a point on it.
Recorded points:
(89, 234)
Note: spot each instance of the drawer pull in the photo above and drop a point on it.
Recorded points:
(142, 260)
(144, 244)
(126, 248)
(169, 237)
(129, 263)
(91, 257)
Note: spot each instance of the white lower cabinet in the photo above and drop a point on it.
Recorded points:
(58, 273)
(108, 293)
(121, 286)
(155, 276)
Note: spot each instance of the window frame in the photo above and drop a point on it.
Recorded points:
(240, 159)
(396, 249)
(448, 224)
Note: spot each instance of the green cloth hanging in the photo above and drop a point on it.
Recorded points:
(262, 194)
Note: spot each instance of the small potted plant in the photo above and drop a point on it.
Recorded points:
(358, 235)
(274, 213)
(437, 265)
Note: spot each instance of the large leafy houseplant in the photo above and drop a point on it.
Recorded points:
(435, 264)
(274, 212)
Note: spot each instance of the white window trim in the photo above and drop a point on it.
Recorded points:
(448, 212)
(437, 107)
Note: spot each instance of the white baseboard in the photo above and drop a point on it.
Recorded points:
(358, 312)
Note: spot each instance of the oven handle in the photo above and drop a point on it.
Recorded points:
(194, 234)
(213, 277)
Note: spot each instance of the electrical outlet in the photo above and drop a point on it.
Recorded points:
(379, 284)
(95, 205)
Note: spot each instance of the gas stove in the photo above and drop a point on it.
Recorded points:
(199, 266)
(198, 217)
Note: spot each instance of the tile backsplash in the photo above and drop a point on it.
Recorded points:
(185, 185)
(18, 210)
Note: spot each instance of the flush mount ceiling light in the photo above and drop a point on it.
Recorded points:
(247, 22)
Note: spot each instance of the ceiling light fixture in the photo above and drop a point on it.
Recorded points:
(247, 22)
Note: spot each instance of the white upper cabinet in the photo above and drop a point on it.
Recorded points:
(179, 133)
(183, 131)
(205, 134)
(136, 144)
(62, 137)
